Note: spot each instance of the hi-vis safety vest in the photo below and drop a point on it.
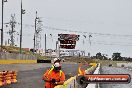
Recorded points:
(53, 69)
(64, 85)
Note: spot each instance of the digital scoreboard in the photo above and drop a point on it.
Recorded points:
(68, 41)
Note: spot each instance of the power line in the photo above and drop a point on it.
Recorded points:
(119, 35)
(100, 34)
(84, 32)
(111, 44)
(84, 39)
(95, 42)
(89, 33)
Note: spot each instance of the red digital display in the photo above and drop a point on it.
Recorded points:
(68, 41)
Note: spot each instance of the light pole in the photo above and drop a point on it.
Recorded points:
(22, 12)
(45, 44)
(2, 23)
(58, 50)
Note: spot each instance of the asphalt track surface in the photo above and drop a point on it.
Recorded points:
(116, 70)
(32, 78)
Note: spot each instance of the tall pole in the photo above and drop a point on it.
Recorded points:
(58, 50)
(2, 25)
(22, 12)
(12, 23)
(45, 44)
(21, 31)
(12, 40)
(56, 45)
(35, 33)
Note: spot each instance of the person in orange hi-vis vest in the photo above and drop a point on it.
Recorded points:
(54, 76)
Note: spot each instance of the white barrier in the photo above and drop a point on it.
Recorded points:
(97, 71)
(72, 82)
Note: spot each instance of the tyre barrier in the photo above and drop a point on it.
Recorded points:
(8, 77)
